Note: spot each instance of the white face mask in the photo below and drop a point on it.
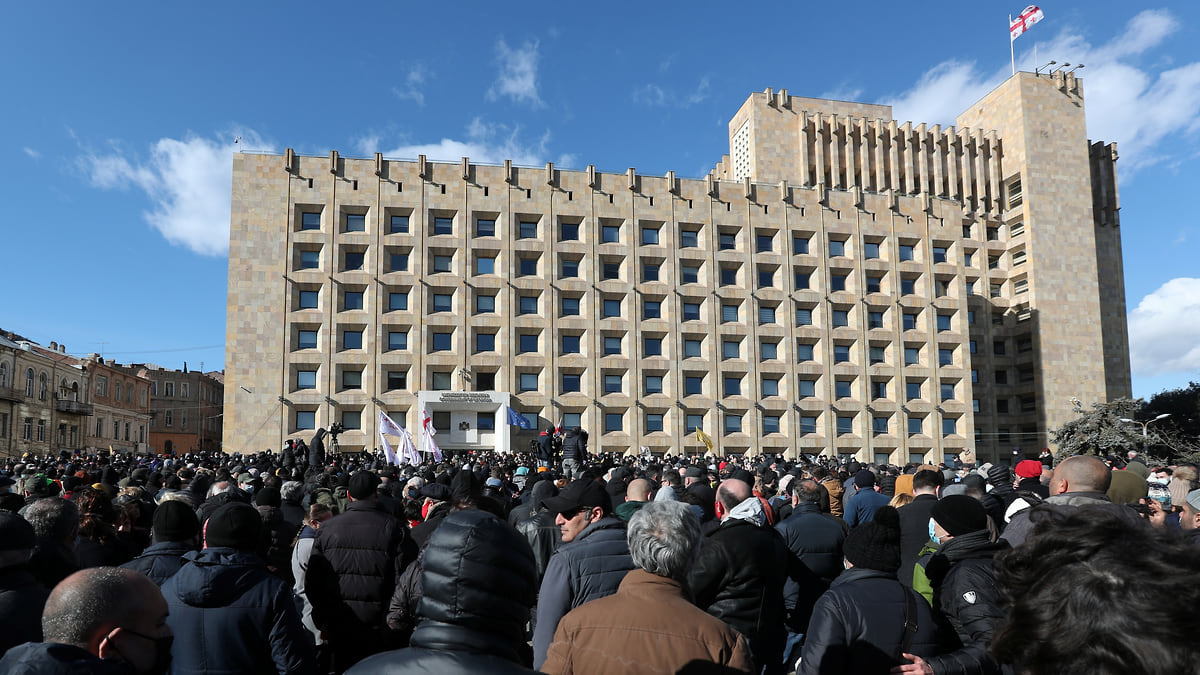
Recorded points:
(933, 532)
(1158, 480)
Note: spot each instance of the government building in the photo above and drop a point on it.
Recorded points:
(841, 283)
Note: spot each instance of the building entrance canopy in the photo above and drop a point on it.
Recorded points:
(467, 420)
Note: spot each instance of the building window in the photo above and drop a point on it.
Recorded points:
(878, 389)
(879, 425)
(570, 269)
(397, 340)
(310, 221)
(689, 238)
(939, 254)
(398, 224)
(691, 311)
(443, 225)
(764, 243)
(485, 266)
(527, 229)
(397, 379)
(733, 423)
(845, 425)
(693, 385)
(729, 313)
(808, 425)
(485, 227)
(910, 321)
(876, 354)
(612, 383)
(912, 356)
(612, 308)
(442, 341)
(485, 342)
(398, 262)
(804, 352)
(570, 306)
(766, 278)
(485, 304)
(649, 235)
(568, 231)
(570, 344)
(528, 381)
(836, 248)
(352, 300)
(306, 419)
(168, 389)
(874, 319)
(397, 302)
(728, 276)
(803, 316)
(799, 245)
(652, 309)
(654, 422)
(841, 388)
(945, 357)
(610, 271)
(906, 252)
(912, 390)
(305, 339)
(806, 388)
(914, 425)
(731, 349)
(654, 384)
(689, 274)
(443, 302)
(440, 381)
(611, 234)
(733, 385)
(613, 422)
(770, 386)
(653, 346)
(570, 382)
(837, 282)
(308, 300)
(528, 304)
(356, 222)
(947, 391)
(351, 379)
(841, 318)
(650, 271)
(949, 426)
(841, 353)
(693, 422)
(352, 339)
(768, 351)
(870, 250)
(353, 260)
(485, 421)
(726, 241)
(691, 349)
(802, 280)
(310, 260)
(527, 343)
(770, 424)
(908, 286)
(305, 379)
(442, 263)
(612, 345)
(943, 322)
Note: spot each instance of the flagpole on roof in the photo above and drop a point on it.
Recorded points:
(1012, 55)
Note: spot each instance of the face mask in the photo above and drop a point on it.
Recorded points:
(1158, 480)
(932, 533)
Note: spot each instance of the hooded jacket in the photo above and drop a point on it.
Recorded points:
(237, 617)
(964, 588)
(160, 561)
(858, 626)
(479, 582)
(739, 578)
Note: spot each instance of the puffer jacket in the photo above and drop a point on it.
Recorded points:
(575, 445)
(161, 561)
(356, 559)
(543, 536)
(237, 616)
(589, 567)
(964, 590)
(479, 583)
(858, 626)
(739, 575)
(817, 538)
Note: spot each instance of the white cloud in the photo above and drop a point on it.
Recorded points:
(34, 154)
(518, 73)
(410, 90)
(1164, 329)
(699, 93)
(485, 142)
(1135, 104)
(187, 182)
(649, 95)
(652, 95)
(843, 92)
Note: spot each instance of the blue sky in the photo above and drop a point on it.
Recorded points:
(121, 119)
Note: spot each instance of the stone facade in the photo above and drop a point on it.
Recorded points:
(121, 400)
(840, 283)
(185, 408)
(42, 398)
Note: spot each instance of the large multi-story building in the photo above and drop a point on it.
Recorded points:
(840, 283)
(120, 420)
(185, 406)
(43, 398)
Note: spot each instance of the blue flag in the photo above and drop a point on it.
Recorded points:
(516, 419)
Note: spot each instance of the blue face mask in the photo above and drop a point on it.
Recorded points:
(932, 534)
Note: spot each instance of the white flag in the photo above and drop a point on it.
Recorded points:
(1028, 16)
(388, 426)
(388, 452)
(431, 445)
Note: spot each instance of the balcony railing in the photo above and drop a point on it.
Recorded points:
(70, 407)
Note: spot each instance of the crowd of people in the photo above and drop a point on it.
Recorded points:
(561, 561)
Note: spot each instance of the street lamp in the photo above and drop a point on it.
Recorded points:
(1144, 425)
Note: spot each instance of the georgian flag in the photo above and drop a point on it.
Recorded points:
(1028, 16)
(430, 444)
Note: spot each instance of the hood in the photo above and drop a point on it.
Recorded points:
(543, 489)
(1079, 498)
(750, 511)
(271, 515)
(214, 577)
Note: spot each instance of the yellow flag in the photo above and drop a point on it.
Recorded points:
(703, 438)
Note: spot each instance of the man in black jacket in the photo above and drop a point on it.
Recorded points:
(356, 559)
(479, 581)
(739, 574)
(574, 452)
(175, 530)
(21, 596)
(914, 521)
(964, 589)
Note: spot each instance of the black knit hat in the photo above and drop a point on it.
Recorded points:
(363, 485)
(175, 521)
(16, 534)
(268, 496)
(959, 514)
(875, 545)
(236, 525)
(864, 478)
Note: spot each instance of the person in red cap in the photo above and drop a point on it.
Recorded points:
(1029, 478)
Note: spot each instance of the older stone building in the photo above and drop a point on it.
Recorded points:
(43, 392)
(839, 283)
(186, 408)
(121, 401)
